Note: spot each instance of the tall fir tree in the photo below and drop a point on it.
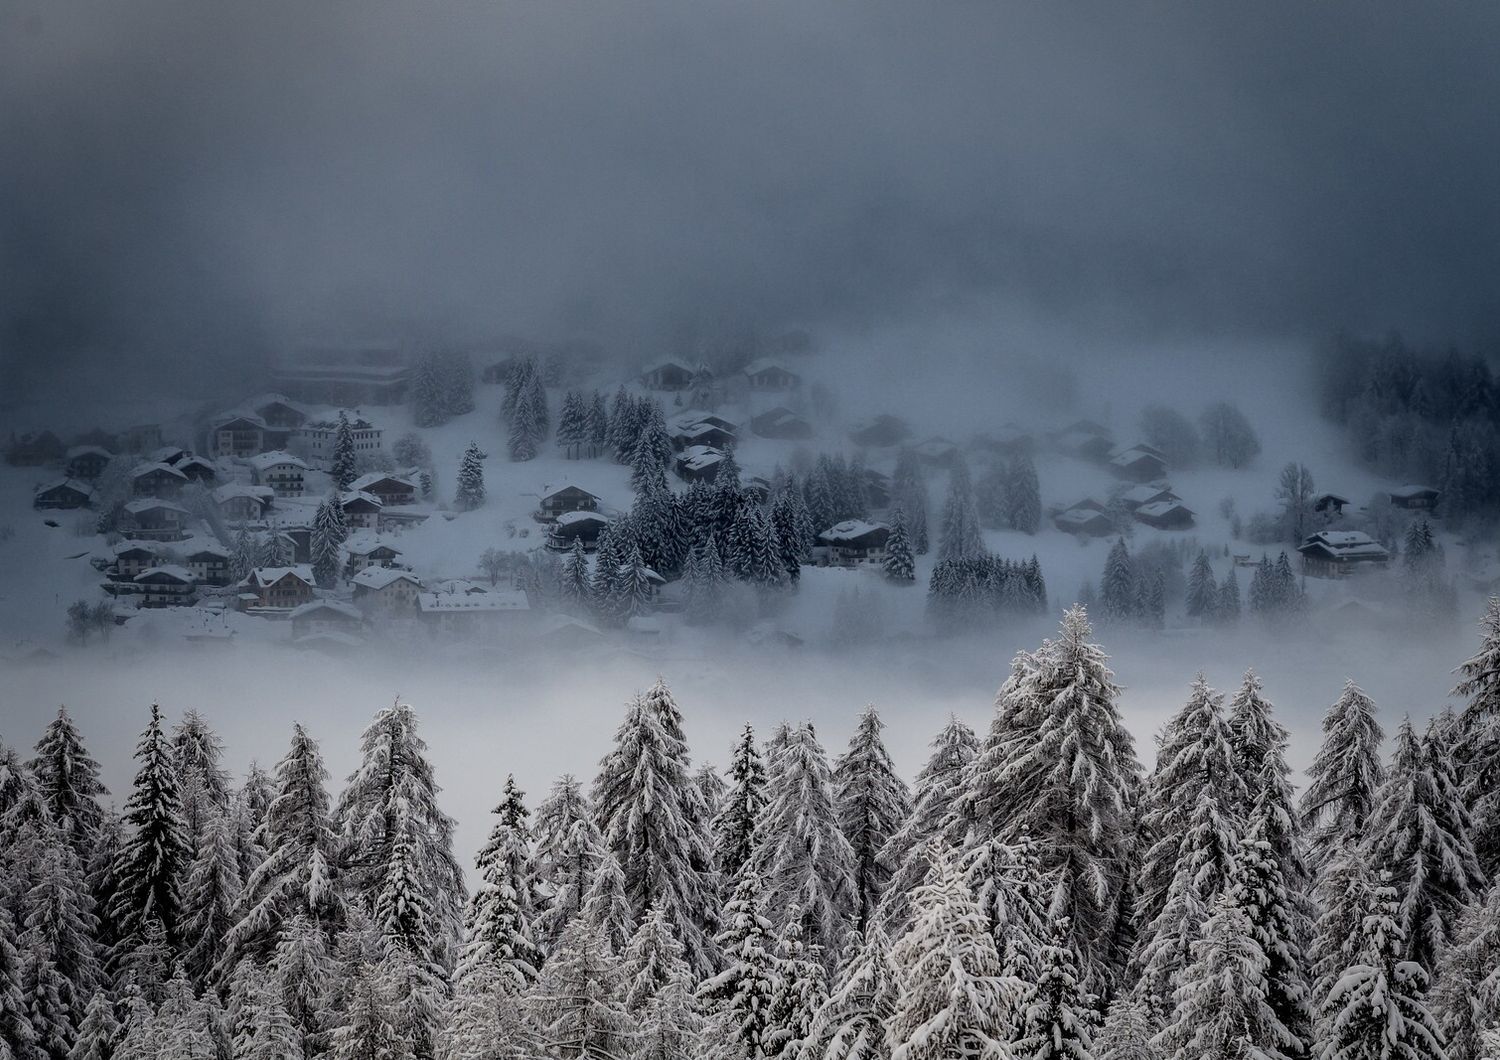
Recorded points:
(873, 802)
(739, 995)
(67, 777)
(899, 565)
(1466, 1000)
(345, 465)
(1118, 592)
(1478, 749)
(470, 491)
(498, 924)
(568, 850)
(959, 538)
(851, 1023)
(1344, 776)
(1058, 1018)
(579, 999)
(743, 805)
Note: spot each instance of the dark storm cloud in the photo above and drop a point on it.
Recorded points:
(183, 180)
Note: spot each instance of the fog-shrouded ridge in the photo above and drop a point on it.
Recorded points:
(192, 186)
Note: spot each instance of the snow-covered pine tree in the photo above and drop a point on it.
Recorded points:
(851, 1022)
(498, 923)
(155, 857)
(712, 787)
(17, 1035)
(938, 787)
(1478, 749)
(1202, 590)
(345, 465)
(1466, 1000)
(909, 491)
(209, 898)
(1118, 594)
(1008, 887)
(571, 428)
(368, 1026)
(1060, 766)
(596, 424)
(577, 589)
(391, 831)
(568, 849)
(1229, 599)
(801, 989)
(739, 996)
(1418, 834)
(1127, 1033)
(1024, 495)
(470, 492)
(873, 803)
(606, 906)
(67, 777)
(579, 1000)
(653, 960)
(263, 1028)
(203, 782)
(427, 394)
(950, 994)
(654, 821)
(99, 1033)
(787, 533)
(1221, 1004)
(327, 543)
(899, 565)
(1344, 776)
(1059, 1017)
(800, 850)
(959, 537)
(62, 968)
(672, 1025)
(1376, 1008)
(622, 425)
(486, 1021)
(303, 971)
(741, 807)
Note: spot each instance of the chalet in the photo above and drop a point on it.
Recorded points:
(1137, 496)
(374, 374)
(1088, 504)
(277, 588)
(386, 590)
(1414, 497)
(133, 557)
(781, 422)
(1336, 553)
(390, 489)
(1141, 463)
(197, 469)
(280, 470)
(156, 480)
(326, 616)
(63, 493)
(166, 586)
(279, 412)
(362, 552)
(1330, 504)
(167, 454)
(239, 503)
(361, 510)
(209, 564)
(237, 434)
(465, 614)
(936, 450)
(1084, 523)
(316, 439)
(667, 375)
(154, 520)
(300, 536)
(766, 374)
(559, 500)
(1165, 515)
(86, 461)
(702, 433)
(881, 432)
(853, 542)
(576, 526)
(688, 419)
(698, 463)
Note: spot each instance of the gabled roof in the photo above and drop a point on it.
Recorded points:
(460, 586)
(360, 545)
(151, 504)
(266, 461)
(380, 577)
(157, 467)
(699, 430)
(1079, 517)
(1160, 509)
(224, 419)
(230, 490)
(1345, 544)
(1135, 454)
(122, 547)
(217, 551)
(364, 482)
(264, 577)
(564, 487)
(1147, 494)
(668, 363)
(698, 457)
(88, 450)
(1411, 490)
(68, 483)
(346, 499)
(691, 418)
(850, 531)
(165, 454)
(569, 518)
(169, 570)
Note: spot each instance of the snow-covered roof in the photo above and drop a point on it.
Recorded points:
(218, 551)
(1134, 455)
(454, 603)
(1411, 490)
(380, 577)
(1078, 517)
(1158, 509)
(363, 545)
(346, 499)
(71, 483)
(230, 415)
(552, 489)
(88, 450)
(555, 624)
(656, 365)
(698, 430)
(275, 458)
(263, 577)
(271, 397)
(122, 547)
(851, 530)
(693, 417)
(1345, 544)
(364, 482)
(232, 490)
(165, 454)
(170, 570)
(459, 586)
(155, 466)
(151, 504)
(572, 518)
(336, 606)
(1148, 494)
(698, 457)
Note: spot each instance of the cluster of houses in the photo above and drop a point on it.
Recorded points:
(1153, 505)
(272, 423)
(763, 374)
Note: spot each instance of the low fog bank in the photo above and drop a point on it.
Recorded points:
(539, 716)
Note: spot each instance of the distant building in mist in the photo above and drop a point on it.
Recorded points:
(344, 375)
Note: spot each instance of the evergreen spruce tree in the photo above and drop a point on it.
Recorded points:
(606, 906)
(899, 565)
(1118, 594)
(155, 856)
(1343, 899)
(713, 789)
(653, 960)
(328, 538)
(1202, 590)
(672, 1025)
(17, 1036)
(597, 424)
(67, 777)
(739, 996)
(427, 394)
(1419, 837)
(743, 805)
(579, 1000)
(873, 803)
(654, 821)
(209, 898)
(1343, 778)
(470, 492)
(960, 538)
(1008, 886)
(100, 1031)
(368, 1027)
(801, 989)
(938, 787)
(571, 425)
(1466, 999)
(568, 851)
(498, 924)
(345, 466)
(950, 993)
(1127, 1033)
(1228, 601)
(851, 1023)
(909, 492)
(1279, 926)
(488, 1022)
(62, 968)
(303, 972)
(1376, 1008)
(800, 849)
(577, 589)
(202, 781)
(1058, 1018)
(1478, 749)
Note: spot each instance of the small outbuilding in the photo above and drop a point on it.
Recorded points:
(1414, 497)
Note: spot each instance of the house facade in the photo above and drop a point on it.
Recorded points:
(317, 438)
(565, 499)
(166, 586)
(154, 520)
(281, 471)
(666, 375)
(576, 526)
(156, 480)
(361, 510)
(277, 588)
(326, 616)
(386, 591)
(239, 503)
(1339, 553)
(1416, 498)
(852, 543)
(766, 374)
(86, 462)
(237, 434)
(781, 423)
(469, 614)
(388, 489)
(63, 493)
(209, 564)
(1165, 515)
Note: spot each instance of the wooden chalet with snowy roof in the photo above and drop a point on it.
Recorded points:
(239, 503)
(1330, 504)
(698, 463)
(391, 489)
(1141, 463)
(768, 374)
(63, 493)
(361, 552)
(150, 519)
(1413, 497)
(667, 375)
(701, 433)
(1136, 496)
(1087, 518)
(326, 616)
(584, 526)
(280, 470)
(562, 499)
(168, 585)
(86, 462)
(277, 588)
(209, 564)
(132, 557)
(386, 590)
(197, 469)
(781, 423)
(851, 543)
(1165, 515)
(1339, 553)
(236, 433)
(361, 510)
(156, 480)
(880, 432)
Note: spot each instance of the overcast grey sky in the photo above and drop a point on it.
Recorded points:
(190, 181)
